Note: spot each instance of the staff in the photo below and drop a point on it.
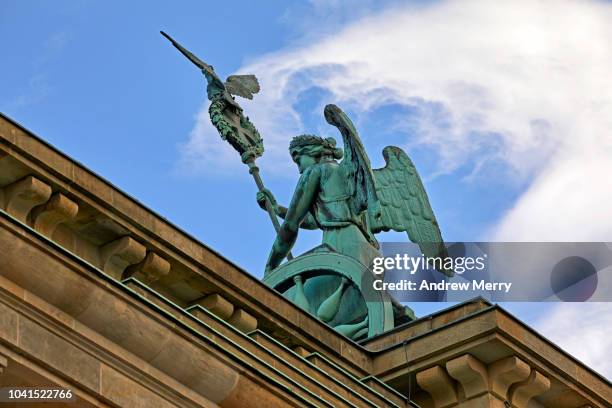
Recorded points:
(227, 117)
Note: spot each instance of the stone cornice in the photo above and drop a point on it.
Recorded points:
(47, 199)
(205, 270)
(122, 325)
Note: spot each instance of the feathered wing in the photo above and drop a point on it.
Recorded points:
(356, 162)
(242, 85)
(404, 205)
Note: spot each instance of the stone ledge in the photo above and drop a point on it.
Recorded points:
(76, 354)
(166, 346)
(212, 274)
(205, 267)
(122, 323)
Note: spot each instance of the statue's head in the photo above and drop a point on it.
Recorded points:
(307, 150)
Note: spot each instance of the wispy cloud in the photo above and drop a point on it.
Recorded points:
(581, 329)
(35, 91)
(523, 85)
(52, 47)
(37, 86)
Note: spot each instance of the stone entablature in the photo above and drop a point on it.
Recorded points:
(143, 306)
(92, 328)
(116, 234)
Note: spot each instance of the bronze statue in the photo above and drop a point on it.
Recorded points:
(339, 193)
(349, 201)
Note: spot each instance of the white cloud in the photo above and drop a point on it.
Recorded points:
(524, 84)
(582, 330)
(569, 201)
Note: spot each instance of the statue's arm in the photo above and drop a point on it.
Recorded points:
(308, 222)
(303, 198)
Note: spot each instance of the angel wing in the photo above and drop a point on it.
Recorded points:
(242, 85)
(356, 162)
(404, 204)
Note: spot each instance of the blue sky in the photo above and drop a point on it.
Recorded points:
(97, 80)
(494, 104)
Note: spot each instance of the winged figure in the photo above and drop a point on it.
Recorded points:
(395, 195)
(351, 202)
(339, 193)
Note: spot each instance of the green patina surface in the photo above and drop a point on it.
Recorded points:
(339, 193)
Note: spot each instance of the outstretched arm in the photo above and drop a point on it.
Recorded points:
(303, 198)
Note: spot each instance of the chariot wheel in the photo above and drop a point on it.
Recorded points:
(337, 289)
